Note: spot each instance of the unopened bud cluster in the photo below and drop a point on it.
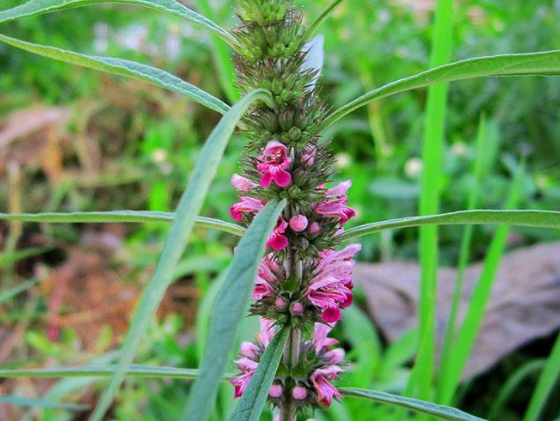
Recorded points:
(304, 281)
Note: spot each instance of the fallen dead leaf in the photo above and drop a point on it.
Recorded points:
(523, 305)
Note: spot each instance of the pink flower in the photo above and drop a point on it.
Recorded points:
(340, 190)
(241, 183)
(320, 339)
(277, 241)
(265, 278)
(274, 162)
(298, 223)
(251, 354)
(246, 205)
(336, 209)
(331, 287)
(321, 379)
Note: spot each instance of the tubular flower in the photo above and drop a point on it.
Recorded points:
(242, 184)
(274, 162)
(247, 205)
(251, 354)
(277, 241)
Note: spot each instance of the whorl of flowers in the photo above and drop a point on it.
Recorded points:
(305, 279)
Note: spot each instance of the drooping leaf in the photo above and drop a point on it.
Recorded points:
(120, 216)
(229, 308)
(39, 7)
(125, 68)
(251, 404)
(519, 218)
(42, 403)
(422, 407)
(181, 229)
(322, 18)
(546, 63)
(104, 371)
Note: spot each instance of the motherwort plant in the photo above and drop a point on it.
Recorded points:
(290, 210)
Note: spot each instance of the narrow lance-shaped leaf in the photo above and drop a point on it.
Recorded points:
(229, 308)
(252, 403)
(125, 68)
(422, 407)
(104, 372)
(322, 18)
(121, 217)
(545, 63)
(519, 218)
(39, 7)
(187, 210)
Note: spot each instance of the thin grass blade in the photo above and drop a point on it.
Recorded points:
(124, 216)
(11, 293)
(466, 337)
(229, 308)
(39, 7)
(546, 63)
(545, 386)
(183, 224)
(314, 27)
(416, 405)
(252, 403)
(124, 68)
(517, 218)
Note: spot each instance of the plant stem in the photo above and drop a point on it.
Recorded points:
(291, 358)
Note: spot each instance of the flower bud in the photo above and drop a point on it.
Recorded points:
(315, 228)
(299, 393)
(296, 309)
(275, 391)
(298, 223)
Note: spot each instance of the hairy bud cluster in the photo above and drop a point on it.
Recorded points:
(303, 281)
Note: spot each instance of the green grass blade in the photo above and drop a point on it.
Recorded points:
(314, 27)
(468, 331)
(141, 371)
(11, 293)
(464, 258)
(548, 379)
(512, 384)
(125, 68)
(222, 58)
(518, 218)
(10, 258)
(546, 63)
(124, 216)
(422, 374)
(229, 308)
(181, 229)
(42, 403)
(252, 403)
(419, 406)
(39, 7)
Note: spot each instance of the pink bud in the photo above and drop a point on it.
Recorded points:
(315, 228)
(296, 308)
(275, 391)
(299, 393)
(298, 223)
(242, 183)
(280, 302)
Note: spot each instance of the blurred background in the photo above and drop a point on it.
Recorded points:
(73, 139)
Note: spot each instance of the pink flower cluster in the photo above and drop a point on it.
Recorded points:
(325, 366)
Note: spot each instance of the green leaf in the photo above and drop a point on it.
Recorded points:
(321, 18)
(519, 218)
(183, 224)
(545, 386)
(24, 286)
(39, 7)
(422, 407)
(545, 63)
(252, 403)
(120, 216)
(125, 68)
(105, 371)
(229, 308)
(43, 403)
